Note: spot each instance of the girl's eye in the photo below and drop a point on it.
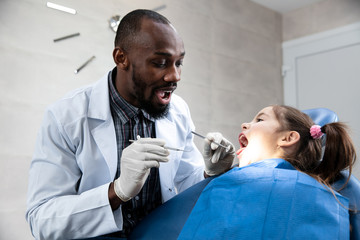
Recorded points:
(259, 120)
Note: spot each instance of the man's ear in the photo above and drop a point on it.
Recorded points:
(120, 58)
(289, 139)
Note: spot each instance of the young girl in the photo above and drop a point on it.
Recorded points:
(282, 188)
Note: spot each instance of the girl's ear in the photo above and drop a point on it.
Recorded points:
(289, 139)
(120, 58)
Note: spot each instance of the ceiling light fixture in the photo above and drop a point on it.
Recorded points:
(60, 8)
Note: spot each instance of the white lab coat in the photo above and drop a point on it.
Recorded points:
(75, 160)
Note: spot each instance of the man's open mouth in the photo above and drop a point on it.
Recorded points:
(164, 94)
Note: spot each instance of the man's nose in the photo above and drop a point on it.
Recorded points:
(173, 75)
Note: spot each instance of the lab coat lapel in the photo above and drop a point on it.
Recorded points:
(166, 129)
(104, 136)
(101, 124)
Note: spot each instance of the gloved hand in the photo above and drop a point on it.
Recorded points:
(136, 161)
(217, 159)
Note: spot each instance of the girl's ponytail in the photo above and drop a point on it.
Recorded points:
(339, 153)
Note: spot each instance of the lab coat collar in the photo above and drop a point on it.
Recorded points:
(99, 104)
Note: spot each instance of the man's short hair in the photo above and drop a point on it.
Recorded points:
(130, 25)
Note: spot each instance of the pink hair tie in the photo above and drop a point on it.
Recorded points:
(315, 132)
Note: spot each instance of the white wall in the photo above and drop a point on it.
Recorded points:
(231, 70)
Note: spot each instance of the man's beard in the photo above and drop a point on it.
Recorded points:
(155, 112)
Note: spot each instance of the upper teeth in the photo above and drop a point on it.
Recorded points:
(164, 93)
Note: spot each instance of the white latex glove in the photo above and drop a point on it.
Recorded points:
(136, 161)
(217, 159)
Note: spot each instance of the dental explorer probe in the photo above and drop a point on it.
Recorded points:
(220, 145)
(166, 147)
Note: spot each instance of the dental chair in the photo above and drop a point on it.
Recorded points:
(167, 221)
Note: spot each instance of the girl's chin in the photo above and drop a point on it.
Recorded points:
(243, 163)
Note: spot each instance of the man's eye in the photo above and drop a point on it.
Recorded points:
(179, 63)
(160, 64)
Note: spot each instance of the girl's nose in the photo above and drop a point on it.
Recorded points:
(245, 126)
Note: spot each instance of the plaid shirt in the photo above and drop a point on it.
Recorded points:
(129, 122)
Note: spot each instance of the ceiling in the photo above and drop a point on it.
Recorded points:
(283, 6)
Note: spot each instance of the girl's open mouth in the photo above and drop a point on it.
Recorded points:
(243, 140)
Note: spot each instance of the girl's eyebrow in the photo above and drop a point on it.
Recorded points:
(261, 114)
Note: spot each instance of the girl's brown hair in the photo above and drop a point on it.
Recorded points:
(339, 151)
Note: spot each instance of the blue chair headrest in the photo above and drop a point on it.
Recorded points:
(321, 116)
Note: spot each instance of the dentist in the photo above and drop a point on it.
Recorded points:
(87, 178)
